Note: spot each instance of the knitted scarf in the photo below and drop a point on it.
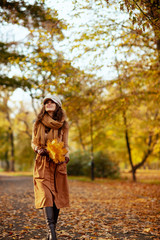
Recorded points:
(40, 138)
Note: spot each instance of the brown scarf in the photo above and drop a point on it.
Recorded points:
(39, 138)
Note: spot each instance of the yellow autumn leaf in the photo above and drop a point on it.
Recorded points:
(56, 151)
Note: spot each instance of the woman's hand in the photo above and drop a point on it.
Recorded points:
(42, 152)
(66, 161)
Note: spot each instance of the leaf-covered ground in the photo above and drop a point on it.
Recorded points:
(110, 210)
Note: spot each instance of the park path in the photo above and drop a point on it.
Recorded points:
(110, 210)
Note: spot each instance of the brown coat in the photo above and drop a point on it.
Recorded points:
(50, 180)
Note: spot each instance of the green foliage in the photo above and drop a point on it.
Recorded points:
(29, 15)
(43, 23)
(80, 165)
(104, 167)
(6, 54)
(14, 82)
(24, 155)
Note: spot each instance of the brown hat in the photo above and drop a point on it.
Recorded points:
(54, 98)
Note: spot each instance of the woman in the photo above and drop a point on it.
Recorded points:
(50, 179)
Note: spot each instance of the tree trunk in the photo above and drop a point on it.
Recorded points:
(12, 167)
(33, 106)
(128, 147)
(151, 144)
(126, 125)
(157, 40)
(91, 134)
(80, 135)
(7, 166)
(158, 49)
(10, 136)
(6, 161)
(153, 8)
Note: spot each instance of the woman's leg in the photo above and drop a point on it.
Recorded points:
(50, 220)
(56, 214)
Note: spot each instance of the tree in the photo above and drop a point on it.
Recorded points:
(137, 80)
(31, 16)
(23, 124)
(10, 132)
(16, 133)
(137, 117)
(149, 14)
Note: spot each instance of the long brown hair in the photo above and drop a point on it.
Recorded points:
(58, 116)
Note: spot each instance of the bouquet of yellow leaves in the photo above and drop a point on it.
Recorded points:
(56, 151)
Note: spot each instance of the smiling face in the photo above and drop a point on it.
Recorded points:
(50, 106)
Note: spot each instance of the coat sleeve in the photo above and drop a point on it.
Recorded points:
(65, 140)
(34, 146)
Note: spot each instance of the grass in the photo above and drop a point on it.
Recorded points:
(15, 174)
(143, 176)
(80, 178)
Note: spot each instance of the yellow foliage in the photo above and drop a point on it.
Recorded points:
(56, 151)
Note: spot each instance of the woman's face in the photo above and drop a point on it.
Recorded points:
(50, 106)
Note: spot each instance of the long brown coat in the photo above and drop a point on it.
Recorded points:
(50, 180)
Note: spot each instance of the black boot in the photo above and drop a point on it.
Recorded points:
(49, 217)
(56, 213)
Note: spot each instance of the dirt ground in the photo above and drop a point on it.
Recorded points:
(110, 210)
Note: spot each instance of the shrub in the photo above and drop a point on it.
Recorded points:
(80, 165)
(104, 167)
